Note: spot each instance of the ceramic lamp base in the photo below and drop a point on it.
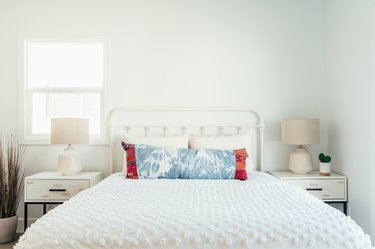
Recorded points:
(69, 162)
(300, 161)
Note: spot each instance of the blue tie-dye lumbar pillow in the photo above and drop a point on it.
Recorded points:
(153, 162)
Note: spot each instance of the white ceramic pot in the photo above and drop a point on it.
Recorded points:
(8, 227)
(325, 169)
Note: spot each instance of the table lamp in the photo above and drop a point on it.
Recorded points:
(69, 131)
(300, 132)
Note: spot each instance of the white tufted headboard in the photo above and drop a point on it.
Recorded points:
(177, 121)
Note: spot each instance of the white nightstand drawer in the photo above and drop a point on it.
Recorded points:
(54, 189)
(322, 189)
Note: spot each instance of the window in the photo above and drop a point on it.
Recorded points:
(62, 78)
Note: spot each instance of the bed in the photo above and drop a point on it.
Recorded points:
(261, 212)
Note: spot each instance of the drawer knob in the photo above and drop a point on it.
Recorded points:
(57, 189)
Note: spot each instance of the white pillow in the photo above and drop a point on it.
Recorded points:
(172, 141)
(230, 142)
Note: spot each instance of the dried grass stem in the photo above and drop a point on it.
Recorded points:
(12, 174)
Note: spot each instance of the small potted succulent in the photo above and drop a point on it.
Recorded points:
(325, 164)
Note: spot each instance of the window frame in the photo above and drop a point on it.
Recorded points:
(25, 93)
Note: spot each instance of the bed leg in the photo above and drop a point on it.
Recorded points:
(345, 207)
(25, 217)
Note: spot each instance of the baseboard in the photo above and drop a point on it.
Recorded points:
(20, 223)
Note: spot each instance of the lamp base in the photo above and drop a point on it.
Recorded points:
(69, 162)
(300, 161)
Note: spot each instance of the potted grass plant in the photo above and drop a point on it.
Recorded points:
(12, 173)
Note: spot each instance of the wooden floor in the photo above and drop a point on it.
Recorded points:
(11, 244)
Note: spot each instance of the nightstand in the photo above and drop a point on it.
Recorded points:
(330, 189)
(51, 187)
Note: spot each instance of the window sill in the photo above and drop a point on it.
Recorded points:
(47, 142)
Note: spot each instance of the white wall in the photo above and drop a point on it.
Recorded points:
(351, 112)
(372, 114)
(264, 54)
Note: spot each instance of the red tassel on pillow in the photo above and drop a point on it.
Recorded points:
(241, 173)
(131, 164)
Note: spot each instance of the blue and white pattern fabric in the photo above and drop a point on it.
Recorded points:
(157, 162)
(207, 164)
(153, 162)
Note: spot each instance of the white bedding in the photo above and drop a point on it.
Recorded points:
(206, 214)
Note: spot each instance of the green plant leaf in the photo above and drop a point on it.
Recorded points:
(321, 157)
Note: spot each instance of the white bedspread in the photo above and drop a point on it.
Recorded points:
(204, 214)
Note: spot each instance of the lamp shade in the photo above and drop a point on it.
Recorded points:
(69, 131)
(300, 131)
